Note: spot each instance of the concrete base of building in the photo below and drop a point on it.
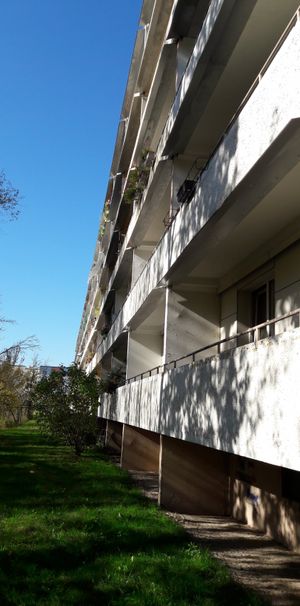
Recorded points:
(258, 502)
(113, 438)
(140, 449)
(197, 480)
(193, 479)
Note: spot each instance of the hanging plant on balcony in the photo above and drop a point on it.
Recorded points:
(133, 189)
(138, 178)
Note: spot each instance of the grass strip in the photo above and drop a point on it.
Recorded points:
(77, 532)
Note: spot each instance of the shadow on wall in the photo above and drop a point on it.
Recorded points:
(270, 513)
(221, 401)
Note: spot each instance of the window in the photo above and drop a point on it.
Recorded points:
(256, 305)
(263, 308)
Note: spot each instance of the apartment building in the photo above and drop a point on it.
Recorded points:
(193, 299)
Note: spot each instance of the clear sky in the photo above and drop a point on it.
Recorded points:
(63, 66)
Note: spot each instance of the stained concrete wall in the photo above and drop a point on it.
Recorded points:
(140, 449)
(243, 401)
(113, 438)
(257, 501)
(192, 479)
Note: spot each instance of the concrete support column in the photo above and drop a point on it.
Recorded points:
(113, 438)
(140, 449)
(193, 479)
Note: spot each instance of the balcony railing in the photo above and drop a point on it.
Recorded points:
(254, 334)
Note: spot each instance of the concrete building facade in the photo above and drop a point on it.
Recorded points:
(193, 301)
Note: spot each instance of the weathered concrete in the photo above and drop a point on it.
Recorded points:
(192, 479)
(140, 449)
(113, 438)
(258, 499)
(255, 560)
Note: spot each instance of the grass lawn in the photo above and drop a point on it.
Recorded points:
(79, 533)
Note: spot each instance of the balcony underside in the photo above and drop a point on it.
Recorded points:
(224, 64)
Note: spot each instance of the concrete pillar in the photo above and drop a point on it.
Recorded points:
(140, 449)
(113, 439)
(193, 479)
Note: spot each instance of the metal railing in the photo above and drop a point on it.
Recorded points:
(255, 333)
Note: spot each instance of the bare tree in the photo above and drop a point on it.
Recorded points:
(16, 382)
(9, 197)
(16, 352)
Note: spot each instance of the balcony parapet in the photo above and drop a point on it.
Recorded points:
(243, 401)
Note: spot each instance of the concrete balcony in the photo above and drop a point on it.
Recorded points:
(243, 401)
(255, 167)
(146, 52)
(222, 66)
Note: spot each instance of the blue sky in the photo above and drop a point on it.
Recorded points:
(64, 66)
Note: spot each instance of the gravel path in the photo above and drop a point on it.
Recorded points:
(254, 559)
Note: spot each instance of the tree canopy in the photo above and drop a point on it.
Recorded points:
(65, 405)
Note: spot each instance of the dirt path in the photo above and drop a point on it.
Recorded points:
(254, 559)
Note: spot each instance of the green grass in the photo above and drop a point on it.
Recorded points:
(80, 533)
